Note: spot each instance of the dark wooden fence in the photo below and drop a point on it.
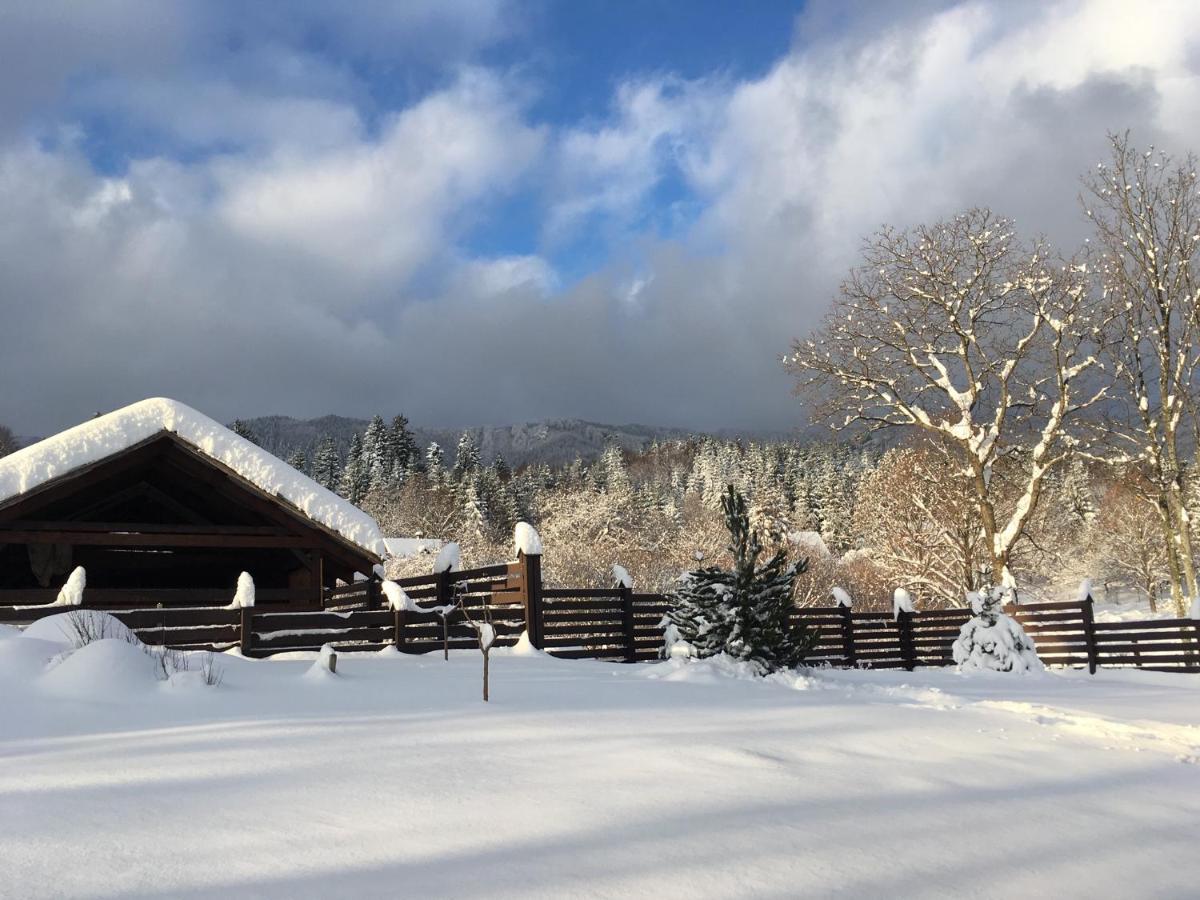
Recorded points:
(614, 624)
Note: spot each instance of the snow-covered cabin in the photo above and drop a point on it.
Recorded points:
(158, 501)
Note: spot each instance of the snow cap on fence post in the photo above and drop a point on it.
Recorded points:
(72, 592)
(244, 597)
(526, 540)
(1194, 612)
(622, 578)
(449, 558)
(1084, 594)
(840, 597)
(396, 598)
(902, 602)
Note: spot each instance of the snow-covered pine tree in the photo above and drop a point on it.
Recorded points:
(435, 463)
(466, 457)
(241, 429)
(406, 458)
(298, 460)
(502, 468)
(992, 640)
(745, 612)
(326, 466)
(377, 453)
(356, 480)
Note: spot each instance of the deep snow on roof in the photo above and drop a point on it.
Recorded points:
(107, 435)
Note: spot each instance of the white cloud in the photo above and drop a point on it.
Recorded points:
(310, 276)
(385, 207)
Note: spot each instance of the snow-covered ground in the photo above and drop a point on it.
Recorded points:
(392, 778)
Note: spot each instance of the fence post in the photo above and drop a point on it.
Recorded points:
(246, 632)
(627, 623)
(848, 636)
(1089, 634)
(398, 636)
(531, 587)
(442, 586)
(373, 594)
(908, 648)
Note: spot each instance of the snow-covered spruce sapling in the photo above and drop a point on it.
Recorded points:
(746, 612)
(991, 640)
(485, 633)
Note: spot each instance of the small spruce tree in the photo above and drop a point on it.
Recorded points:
(745, 613)
(991, 640)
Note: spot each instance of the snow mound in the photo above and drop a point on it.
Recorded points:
(72, 592)
(323, 666)
(523, 647)
(9, 631)
(526, 540)
(243, 598)
(109, 668)
(79, 627)
(622, 577)
(107, 435)
(449, 559)
(25, 658)
(396, 597)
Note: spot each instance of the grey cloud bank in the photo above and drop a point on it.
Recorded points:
(303, 276)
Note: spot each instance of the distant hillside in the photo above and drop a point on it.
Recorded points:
(555, 442)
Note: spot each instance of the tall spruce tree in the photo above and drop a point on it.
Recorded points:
(377, 453)
(466, 457)
(356, 479)
(435, 464)
(326, 465)
(406, 458)
(745, 613)
(298, 460)
(242, 429)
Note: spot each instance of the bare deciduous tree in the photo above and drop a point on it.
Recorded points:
(917, 519)
(961, 331)
(485, 633)
(1131, 549)
(1145, 210)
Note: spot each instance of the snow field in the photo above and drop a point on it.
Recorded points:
(583, 778)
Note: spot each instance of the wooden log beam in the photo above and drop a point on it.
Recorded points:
(161, 539)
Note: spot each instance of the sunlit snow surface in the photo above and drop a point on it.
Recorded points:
(393, 778)
(106, 435)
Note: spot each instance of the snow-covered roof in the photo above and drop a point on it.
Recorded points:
(108, 435)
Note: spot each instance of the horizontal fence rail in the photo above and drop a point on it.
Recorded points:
(615, 624)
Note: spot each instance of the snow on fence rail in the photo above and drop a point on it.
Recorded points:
(614, 624)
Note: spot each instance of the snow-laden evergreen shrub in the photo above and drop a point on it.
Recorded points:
(991, 640)
(744, 613)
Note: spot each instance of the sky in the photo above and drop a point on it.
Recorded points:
(484, 211)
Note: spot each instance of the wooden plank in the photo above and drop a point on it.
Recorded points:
(178, 618)
(1149, 625)
(323, 620)
(1157, 660)
(1149, 648)
(1113, 637)
(191, 637)
(580, 593)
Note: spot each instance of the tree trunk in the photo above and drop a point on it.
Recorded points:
(485, 676)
